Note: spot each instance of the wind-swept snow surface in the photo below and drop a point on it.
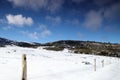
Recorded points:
(52, 65)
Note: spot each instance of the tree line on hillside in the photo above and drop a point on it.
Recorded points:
(78, 47)
(86, 47)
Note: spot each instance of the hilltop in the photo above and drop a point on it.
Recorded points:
(79, 47)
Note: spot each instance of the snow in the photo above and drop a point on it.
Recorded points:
(56, 65)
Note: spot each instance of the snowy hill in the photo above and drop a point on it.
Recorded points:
(56, 65)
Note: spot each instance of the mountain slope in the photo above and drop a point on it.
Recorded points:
(87, 47)
(4, 41)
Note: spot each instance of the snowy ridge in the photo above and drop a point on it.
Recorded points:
(56, 65)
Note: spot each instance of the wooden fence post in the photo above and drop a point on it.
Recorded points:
(102, 63)
(94, 64)
(24, 67)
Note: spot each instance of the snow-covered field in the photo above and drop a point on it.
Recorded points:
(52, 65)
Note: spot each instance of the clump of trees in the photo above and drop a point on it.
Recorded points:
(54, 48)
(2, 45)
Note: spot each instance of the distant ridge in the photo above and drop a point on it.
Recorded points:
(86, 47)
(79, 47)
(4, 41)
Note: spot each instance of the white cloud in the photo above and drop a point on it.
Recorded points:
(105, 38)
(42, 27)
(41, 32)
(2, 21)
(80, 35)
(7, 28)
(19, 20)
(51, 5)
(32, 35)
(44, 31)
(54, 20)
(93, 20)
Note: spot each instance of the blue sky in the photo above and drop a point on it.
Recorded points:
(51, 20)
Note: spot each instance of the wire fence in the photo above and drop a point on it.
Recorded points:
(24, 64)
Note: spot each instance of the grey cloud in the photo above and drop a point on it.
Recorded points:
(77, 1)
(75, 22)
(54, 20)
(51, 5)
(34, 4)
(93, 20)
(112, 29)
(102, 2)
(55, 5)
(113, 12)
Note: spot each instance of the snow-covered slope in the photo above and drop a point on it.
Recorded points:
(52, 65)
